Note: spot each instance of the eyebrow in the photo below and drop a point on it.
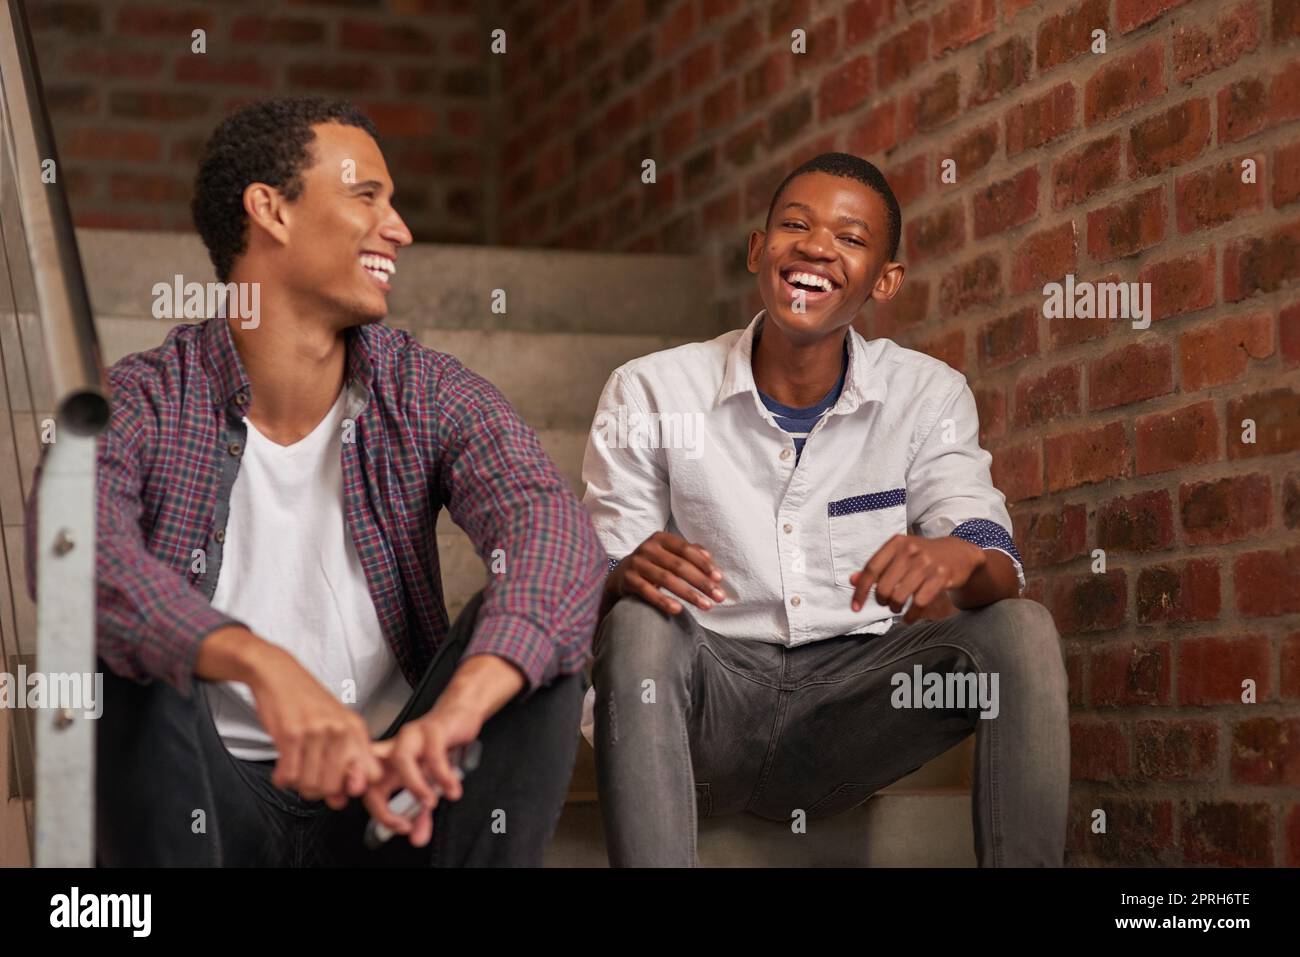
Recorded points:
(368, 184)
(842, 220)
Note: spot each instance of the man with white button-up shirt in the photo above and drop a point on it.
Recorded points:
(796, 518)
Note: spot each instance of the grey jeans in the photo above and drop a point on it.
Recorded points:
(732, 726)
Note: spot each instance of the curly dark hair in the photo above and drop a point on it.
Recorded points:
(265, 142)
(851, 167)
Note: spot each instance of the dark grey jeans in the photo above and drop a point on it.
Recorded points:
(732, 726)
(160, 760)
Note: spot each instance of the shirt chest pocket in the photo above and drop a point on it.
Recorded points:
(859, 525)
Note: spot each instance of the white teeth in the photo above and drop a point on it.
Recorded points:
(378, 274)
(810, 279)
(381, 264)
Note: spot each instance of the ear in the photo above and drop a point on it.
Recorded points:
(889, 282)
(756, 240)
(268, 211)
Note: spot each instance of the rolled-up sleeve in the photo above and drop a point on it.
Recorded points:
(626, 484)
(950, 487)
(149, 621)
(546, 566)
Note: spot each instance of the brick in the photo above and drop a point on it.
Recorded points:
(405, 119)
(1052, 537)
(1136, 523)
(719, 107)
(973, 283)
(1128, 226)
(934, 105)
(1211, 669)
(741, 39)
(1131, 14)
(823, 44)
(231, 71)
(66, 17)
(1286, 20)
(1134, 373)
(1008, 338)
(875, 133)
(1168, 139)
(902, 54)
(1228, 834)
(1255, 264)
(1043, 398)
(1288, 323)
(1290, 662)
(1220, 352)
(138, 20)
(1017, 471)
(1074, 678)
(1179, 593)
(337, 77)
(675, 31)
(1242, 109)
(1214, 196)
(677, 133)
(1006, 204)
(1176, 750)
(910, 306)
(909, 180)
(1089, 602)
(991, 406)
(972, 151)
(376, 36)
(1175, 439)
(960, 23)
(784, 16)
(1128, 674)
(698, 68)
(1085, 171)
(1087, 455)
(287, 31)
(1293, 835)
(741, 146)
(789, 119)
(1137, 832)
(1128, 83)
(864, 19)
(1001, 69)
(844, 88)
(1286, 174)
(1225, 510)
(1266, 752)
(940, 232)
(1044, 256)
(1180, 285)
(125, 187)
(948, 347)
(1067, 35)
(1032, 123)
(1098, 752)
(1276, 415)
(87, 61)
(106, 143)
(1267, 583)
(1198, 51)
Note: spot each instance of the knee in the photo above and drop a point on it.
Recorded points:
(1019, 636)
(638, 641)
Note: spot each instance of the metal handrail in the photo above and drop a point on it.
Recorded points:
(64, 549)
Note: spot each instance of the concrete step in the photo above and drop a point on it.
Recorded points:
(919, 827)
(451, 287)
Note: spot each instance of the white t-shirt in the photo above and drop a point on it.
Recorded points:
(290, 571)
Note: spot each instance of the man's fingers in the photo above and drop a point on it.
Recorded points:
(662, 578)
(907, 586)
(650, 594)
(422, 831)
(376, 802)
(870, 574)
(440, 769)
(927, 593)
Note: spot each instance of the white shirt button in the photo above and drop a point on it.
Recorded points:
(787, 528)
(785, 454)
(796, 601)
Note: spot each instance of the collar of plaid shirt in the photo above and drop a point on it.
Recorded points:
(429, 434)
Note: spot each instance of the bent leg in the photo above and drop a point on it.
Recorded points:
(168, 793)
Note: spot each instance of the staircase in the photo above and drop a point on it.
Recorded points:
(570, 319)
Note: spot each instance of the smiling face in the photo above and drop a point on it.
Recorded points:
(826, 247)
(338, 241)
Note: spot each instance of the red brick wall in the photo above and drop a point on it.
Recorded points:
(131, 104)
(1119, 165)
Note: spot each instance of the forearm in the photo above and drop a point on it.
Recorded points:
(993, 579)
(483, 684)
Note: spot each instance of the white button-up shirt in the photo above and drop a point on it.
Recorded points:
(681, 441)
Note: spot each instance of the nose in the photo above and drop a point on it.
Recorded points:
(814, 244)
(394, 230)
